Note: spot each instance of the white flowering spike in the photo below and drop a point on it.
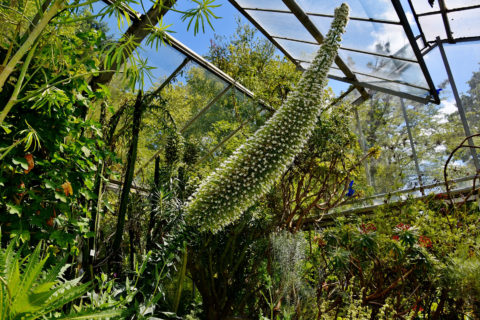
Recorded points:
(253, 168)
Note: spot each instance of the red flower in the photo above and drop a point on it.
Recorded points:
(425, 242)
(403, 227)
(395, 237)
(415, 307)
(367, 228)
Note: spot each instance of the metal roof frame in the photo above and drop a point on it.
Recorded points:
(350, 76)
(191, 55)
(444, 11)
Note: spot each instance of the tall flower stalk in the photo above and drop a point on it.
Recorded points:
(253, 168)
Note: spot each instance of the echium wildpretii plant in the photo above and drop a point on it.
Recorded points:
(252, 169)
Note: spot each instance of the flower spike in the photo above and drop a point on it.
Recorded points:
(253, 168)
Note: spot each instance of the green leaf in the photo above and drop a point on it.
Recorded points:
(14, 209)
(21, 161)
(49, 185)
(6, 129)
(60, 196)
(105, 314)
(86, 151)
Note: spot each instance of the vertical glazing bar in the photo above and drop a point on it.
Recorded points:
(363, 145)
(448, 30)
(412, 145)
(461, 111)
(416, 50)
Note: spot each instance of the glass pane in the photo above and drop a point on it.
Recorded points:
(262, 4)
(165, 61)
(452, 4)
(352, 96)
(394, 86)
(192, 91)
(437, 130)
(424, 6)
(299, 50)
(386, 68)
(465, 23)
(358, 8)
(226, 125)
(432, 27)
(384, 127)
(388, 39)
(281, 24)
(467, 77)
(334, 71)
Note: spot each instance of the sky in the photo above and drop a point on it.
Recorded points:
(464, 58)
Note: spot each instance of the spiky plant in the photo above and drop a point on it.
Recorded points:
(29, 292)
(252, 169)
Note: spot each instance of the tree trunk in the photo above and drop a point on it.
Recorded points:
(139, 30)
(127, 183)
(151, 222)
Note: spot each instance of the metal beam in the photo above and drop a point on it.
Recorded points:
(262, 30)
(413, 43)
(409, 190)
(461, 111)
(382, 89)
(363, 145)
(349, 49)
(316, 34)
(412, 144)
(433, 43)
(137, 30)
(422, 35)
(429, 13)
(316, 14)
(177, 45)
(446, 23)
(170, 77)
(389, 80)
(329, 218)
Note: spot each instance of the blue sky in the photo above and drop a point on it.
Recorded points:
(464, 58)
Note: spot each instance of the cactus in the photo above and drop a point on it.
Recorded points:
(253, 168)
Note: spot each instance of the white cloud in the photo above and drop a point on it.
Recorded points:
(448, 107)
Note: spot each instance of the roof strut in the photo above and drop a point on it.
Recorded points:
(308, 24)
(408, 31)
(448, 30)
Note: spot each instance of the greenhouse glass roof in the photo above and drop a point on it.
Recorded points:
(379, 50)
(380, 53)
(458, 17)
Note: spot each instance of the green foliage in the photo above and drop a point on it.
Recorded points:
(253, 168)
(419, 259)
(30, 291)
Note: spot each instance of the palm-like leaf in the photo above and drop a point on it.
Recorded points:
(27, 292)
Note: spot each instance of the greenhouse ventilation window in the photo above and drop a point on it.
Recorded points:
(379, 50)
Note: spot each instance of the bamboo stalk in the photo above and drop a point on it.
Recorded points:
(27, 45)
(13, 99)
